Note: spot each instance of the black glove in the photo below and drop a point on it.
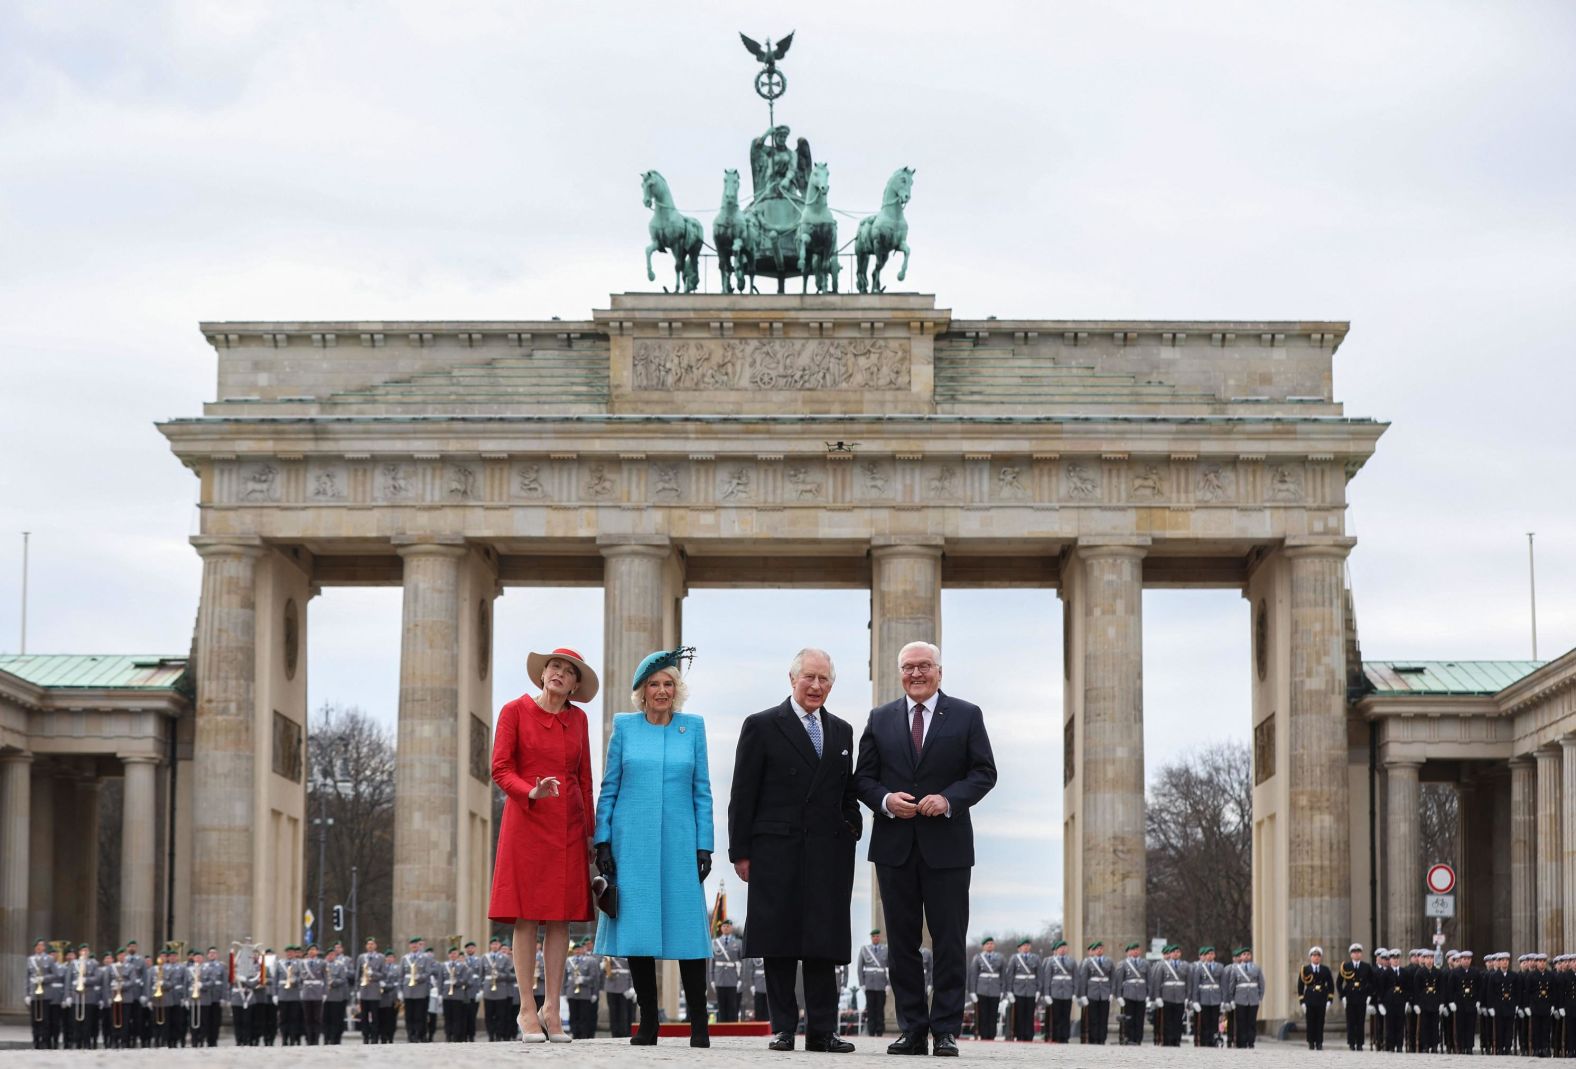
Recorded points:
(604, 860)
(703, 858)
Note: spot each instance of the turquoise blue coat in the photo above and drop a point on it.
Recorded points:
(655, 808)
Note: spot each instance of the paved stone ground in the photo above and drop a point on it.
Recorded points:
(596, 1054)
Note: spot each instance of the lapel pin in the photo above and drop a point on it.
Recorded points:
(681, 729)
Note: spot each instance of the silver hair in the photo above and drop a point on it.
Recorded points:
(796, 665)
(931, 647)
(680, 690)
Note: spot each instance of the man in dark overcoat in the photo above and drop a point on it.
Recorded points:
(793, 822)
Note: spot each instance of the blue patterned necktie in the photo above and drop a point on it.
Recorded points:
(814, 727)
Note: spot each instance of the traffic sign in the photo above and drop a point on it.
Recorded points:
(1441, 879)
(1439, 906)
(307, 918)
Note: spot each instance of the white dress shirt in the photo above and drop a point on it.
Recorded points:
(801, 712)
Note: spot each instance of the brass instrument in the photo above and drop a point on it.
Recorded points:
(411, 981)
(366, 972)
(117, 1010)
(158, 981)
(82, 985)
(196, 995)
(38, 989)
(450, 967)
(38, 979)
(115, 983)
(492, 972)
(290, 974)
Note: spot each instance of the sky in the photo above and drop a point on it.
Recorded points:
(1403, 166)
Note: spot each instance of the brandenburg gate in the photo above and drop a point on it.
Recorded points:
(671, 442)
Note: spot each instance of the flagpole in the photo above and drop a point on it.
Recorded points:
(26, 535)
(1532, 592)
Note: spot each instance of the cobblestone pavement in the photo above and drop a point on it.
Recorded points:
(724, 1052)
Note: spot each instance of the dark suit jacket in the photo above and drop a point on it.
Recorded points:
(955, 763)
(796, 818)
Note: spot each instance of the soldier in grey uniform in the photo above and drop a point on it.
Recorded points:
(454, 982)
(177, 1000)
(415, 985)
(512, 1014)
(314, 992)
(45, 988)
(1204, 997)
(497, 976)
(1023, 981)
(583, 988)
(214, 976)
(337, 971)
(1058, 988)
(389, 1001)
(1241, 994)
(136, 1015)
(620, 990)
(539, 978)
(289, 972)
(126, 1013)
(1132, 994)
(244, 1009)
(983, 987)
(752, 981)
(474, 970)
(726, 952)
(1093, 990)
(84, 986)
(368, 981)
(873, 979)
(1168, 993)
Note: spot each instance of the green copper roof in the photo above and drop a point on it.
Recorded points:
(108, 670)
(1445, 677)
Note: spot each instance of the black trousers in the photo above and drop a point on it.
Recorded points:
(1132, 1030)
(268, 1022)
(762, 1007)
(820, 995)
(986, 1012)
(1356, 1019)
(367, 1020)
(582, 1018)
(175, 1021)
(1313, 1013)
(1245, 1025)
(620, 1016)
(1096, 1021)
(87, 1028)
(241, 1021)
(388, 1021)
(1059, 1020)
(1464, 1022)
(1171, 1023)
(333, 1022)
(1542, 1028)
(492, 1017)
(291, 1023)
(915, 895)
(454, 1022)
(39, 1013)
(727, 1004)
(875, 1012)
(1206, 1032)
(416, 1020)
(1023, 1007)
(312, 1017)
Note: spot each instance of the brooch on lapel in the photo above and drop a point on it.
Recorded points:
(681, 729)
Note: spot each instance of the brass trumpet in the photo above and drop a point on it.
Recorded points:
(366, 974)
(290, 974)
(411, 981)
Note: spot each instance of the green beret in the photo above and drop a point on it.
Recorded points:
(1026, 942)
(1058, 944)
(1242, 950)
(470, 942)
(1130, 946)
(414, 940)
(1169, 947)
(1096, 945)
(82, 946)
(875, 931)
(1206, 950)
(987, 939)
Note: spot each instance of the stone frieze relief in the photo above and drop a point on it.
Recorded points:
(772, 364)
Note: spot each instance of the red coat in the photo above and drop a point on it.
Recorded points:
(542, 872)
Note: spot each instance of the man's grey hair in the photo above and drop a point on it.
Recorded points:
(796, 665)
(929, 647)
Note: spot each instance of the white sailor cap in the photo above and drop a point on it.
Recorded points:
(1316, 950)
(1451, 955)
(1523, 957)
(1354, 947)
(1463, 953)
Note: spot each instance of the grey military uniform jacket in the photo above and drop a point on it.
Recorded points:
(583, 977)
(539, 977)
(619, 979)
(497, 976)
(726, 952)
(288, 976)
(984, 976)
(1244, 985)
(872, 965)
(337, 973)
(1168, 980)
(215, 976)
(88, 977)
(1132, 980)
(46, 979)
(415, 977)
(454, 979)
(177, 984)
(314, 980)
(1058, 977)
(1204, 983)
(1023, 975)
(1094, 979)
(475, 970)
(369, 976)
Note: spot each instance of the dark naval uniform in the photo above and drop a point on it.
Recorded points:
(1463, 992)
(1354, 982)
(1315, 990)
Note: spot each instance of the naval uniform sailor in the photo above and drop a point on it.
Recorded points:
(1204, 996)
(1315, 990)
(1023, 981)
(1354, 983)
(874, 980)
(983, 987)
(1058, 984)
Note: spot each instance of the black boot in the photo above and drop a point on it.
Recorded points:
(643, 973)
(692, 974)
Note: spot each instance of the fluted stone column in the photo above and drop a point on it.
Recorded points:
(1467, 809)
(639, 613)
(1568, 837)
(426, 788)
(1523, 857)
(224, 745)
(85, 843)
(41, 856)
(1403, 871)
(16, 792)
(1550, 930)
(1319, 864)
(138, 822)
(1113, 741)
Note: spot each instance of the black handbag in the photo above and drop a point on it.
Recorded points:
(605, 891)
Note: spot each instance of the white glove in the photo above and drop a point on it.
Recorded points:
(1120, 1002)
(1452, 1007)
(1045, 1000)
(1520, 1012)
(1229, 1007)
(1490, 1011)
(630, 994)
(1560, 1012)
(27, 1000)
(478, 996)
(1444, 1011)
(1372, 1009)
(973, 998)
(1408, 1007)
(1083, 1000)
(1382, 1011)
(1197, 1008)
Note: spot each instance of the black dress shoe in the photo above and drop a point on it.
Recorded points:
(910, 1043)
(828, 1044)
(781, 1041)
(946, 1046)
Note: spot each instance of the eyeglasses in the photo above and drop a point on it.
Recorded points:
(921, 669)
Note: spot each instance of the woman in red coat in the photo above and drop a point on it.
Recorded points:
(542, 876)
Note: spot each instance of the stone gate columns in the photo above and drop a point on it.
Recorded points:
(1106, 692)
(1318, 861)
(41, 857)
(224, 747)
(139, 818)
(15, 940)
(642, 588)
(1523, 857)
(1568, 840)
(425, 782)
(1550, 930)
(1403, 874)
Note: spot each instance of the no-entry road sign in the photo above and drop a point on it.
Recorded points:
(1441, 879)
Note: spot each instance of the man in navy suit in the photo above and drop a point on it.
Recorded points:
(924, 762)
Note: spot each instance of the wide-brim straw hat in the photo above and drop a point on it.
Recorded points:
(535, 662)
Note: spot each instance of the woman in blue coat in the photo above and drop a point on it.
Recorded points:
(654, 839)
